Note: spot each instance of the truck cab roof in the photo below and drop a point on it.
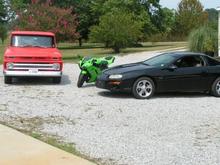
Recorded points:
(33, 33)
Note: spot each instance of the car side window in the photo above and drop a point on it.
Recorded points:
(190, 61)
(212, 62)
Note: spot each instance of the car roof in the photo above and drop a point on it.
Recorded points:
(41, 33)
(180, 54)
(185, 53)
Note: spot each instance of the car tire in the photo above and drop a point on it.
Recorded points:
(216, 88)
(82, 78)
(143, 88)
(57, 80)
(8, 80)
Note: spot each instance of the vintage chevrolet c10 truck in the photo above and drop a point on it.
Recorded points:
(32, 54)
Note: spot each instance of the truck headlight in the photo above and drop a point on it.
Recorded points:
(115, 76)
(10, 65)
(56, 66)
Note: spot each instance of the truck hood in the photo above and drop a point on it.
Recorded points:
(32, 52)
(126, 68)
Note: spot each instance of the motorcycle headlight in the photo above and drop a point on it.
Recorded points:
(10, 65)
(115, 77)
(56, 66)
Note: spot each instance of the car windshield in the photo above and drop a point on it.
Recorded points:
(160, 60)
(32, 41)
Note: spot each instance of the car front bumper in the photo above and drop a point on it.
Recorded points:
(114, 85)
(32, 73)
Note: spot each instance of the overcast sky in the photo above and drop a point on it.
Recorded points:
(206, 3)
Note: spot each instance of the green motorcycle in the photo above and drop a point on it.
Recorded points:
(91, 68)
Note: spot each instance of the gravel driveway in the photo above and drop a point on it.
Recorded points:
(165, 130)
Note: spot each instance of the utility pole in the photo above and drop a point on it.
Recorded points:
(218, 30)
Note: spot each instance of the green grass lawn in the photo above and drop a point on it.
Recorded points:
(71, 51)
(2, 49)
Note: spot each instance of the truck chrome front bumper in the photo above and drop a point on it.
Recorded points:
(32, 73)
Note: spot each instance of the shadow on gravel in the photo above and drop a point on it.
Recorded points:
(88, 86)
(181, 95)
(39, 81)
(125, 95)
(121, 95)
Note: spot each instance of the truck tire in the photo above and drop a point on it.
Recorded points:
(81, 80)
(8, 80)
(57, 80)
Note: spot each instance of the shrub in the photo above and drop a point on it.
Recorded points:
(204, 39)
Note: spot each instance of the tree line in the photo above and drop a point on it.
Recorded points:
(116, 23)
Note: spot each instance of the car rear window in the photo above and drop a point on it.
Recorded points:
(32, 41)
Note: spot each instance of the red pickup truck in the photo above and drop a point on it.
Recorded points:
(32, 54)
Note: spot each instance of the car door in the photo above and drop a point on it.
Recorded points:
(185, 74)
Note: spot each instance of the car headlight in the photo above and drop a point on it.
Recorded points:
(115, 77)
(10, 65)
(56, 66)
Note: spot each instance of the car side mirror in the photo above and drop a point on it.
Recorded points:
(172, 67)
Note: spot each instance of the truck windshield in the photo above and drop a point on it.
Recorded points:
(32, 41)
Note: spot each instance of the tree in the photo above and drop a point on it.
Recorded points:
(167, 22)
(89, 12)
(3, 33)
(204, 39)
(190, 15)
(117, 29)
(85, 15)
(212, 18)
(3, 20)
(146, 11)
(44, 17)
(3, 11)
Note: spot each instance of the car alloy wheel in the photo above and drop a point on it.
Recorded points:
(216, 87)
(143, 88)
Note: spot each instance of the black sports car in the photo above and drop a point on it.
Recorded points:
(176, 71)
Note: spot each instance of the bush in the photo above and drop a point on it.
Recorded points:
(205, 40)
(117, 30)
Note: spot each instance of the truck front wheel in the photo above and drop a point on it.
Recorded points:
(8, 80)
(57, 80)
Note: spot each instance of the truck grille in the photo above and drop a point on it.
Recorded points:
(28, 66)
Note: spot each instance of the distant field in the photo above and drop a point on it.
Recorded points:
(71, 51)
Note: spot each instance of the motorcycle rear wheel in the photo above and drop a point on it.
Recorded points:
(82, 78)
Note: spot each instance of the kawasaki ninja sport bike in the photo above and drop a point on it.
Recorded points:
(91, 68)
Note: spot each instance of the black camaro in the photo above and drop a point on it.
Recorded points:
(176, 71)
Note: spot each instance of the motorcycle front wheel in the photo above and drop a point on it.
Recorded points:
(82, 78)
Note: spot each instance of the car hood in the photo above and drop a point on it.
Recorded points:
(126, 68)
(33, 52)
